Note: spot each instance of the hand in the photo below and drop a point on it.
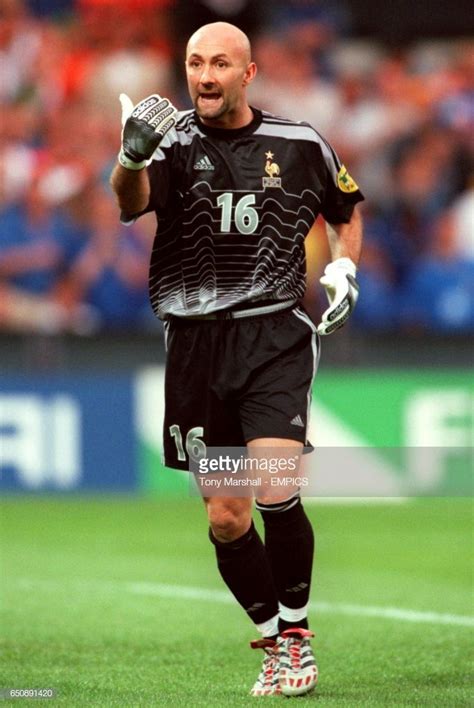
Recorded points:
(342, 290)
(143, 128)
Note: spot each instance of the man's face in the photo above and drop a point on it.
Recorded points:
(217, 73)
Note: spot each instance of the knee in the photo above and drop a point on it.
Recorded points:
(229, 521)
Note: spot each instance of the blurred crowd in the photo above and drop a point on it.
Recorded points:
(401, 118)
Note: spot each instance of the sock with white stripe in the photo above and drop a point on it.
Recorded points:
(289, 543)
(244, 567)
(269, 629)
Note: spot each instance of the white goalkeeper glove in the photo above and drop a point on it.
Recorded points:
(143, 128)
(342, 291)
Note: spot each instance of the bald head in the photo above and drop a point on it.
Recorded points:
(218, 70)
(221, 34)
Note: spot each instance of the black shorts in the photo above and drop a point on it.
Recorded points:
(229, 381)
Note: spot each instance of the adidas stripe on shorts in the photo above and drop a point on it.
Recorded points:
(234, 380)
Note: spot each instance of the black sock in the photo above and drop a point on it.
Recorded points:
(289, 542)
(244, 567)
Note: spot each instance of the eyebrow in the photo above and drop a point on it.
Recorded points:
(195, 55)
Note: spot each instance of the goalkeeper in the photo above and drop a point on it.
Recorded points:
(235, 191)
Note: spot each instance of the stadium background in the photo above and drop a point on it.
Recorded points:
(86, 500)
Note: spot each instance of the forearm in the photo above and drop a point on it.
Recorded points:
(345, 240)
(132, 188)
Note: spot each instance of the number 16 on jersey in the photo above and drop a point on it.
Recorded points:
(245, 216)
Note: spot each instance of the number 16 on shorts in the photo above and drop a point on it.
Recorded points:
(194, 444)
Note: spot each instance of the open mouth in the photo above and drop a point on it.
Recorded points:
(209, 97)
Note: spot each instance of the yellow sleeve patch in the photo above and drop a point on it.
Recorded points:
(345, 181)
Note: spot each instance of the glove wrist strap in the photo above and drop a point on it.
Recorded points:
(344, 263)
(128, 163)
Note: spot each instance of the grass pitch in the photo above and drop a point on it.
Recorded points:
(88, 607)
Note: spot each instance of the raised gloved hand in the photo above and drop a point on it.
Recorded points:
(342, 291)
(143, 128)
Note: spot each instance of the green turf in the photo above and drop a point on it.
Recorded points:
(71, 622)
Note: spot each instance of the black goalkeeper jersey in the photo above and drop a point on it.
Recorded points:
(234, 208)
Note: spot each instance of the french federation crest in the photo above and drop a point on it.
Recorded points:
(345, 181)
(272, 170)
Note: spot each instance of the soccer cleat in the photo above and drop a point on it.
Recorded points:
(267, 682)
(298, 671)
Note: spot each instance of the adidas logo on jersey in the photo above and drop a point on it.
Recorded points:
(204, 163)
(297, 420)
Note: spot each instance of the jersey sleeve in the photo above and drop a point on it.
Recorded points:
(341, 193)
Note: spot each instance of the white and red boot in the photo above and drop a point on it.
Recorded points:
(267, 683)
(298, 673)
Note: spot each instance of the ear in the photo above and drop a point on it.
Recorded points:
(249, 73)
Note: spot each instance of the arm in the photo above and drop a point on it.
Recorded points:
(144, 126)
(339, 279)
(345, 240)
(132, 188)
